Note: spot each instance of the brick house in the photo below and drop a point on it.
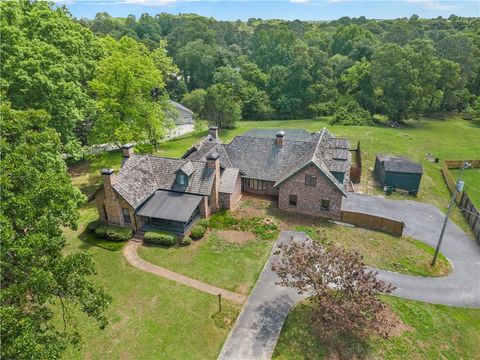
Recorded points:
(304, 172)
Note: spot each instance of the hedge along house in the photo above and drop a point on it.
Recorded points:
(305, 172)
(398, 172)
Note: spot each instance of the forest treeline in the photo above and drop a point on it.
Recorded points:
(108, 79)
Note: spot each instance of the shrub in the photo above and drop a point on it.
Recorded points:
(186, 241)
(160, 237)
(205, 223)
(197, 232)
(113, 232)
(93, 225)
(352, 114)
(222, 219)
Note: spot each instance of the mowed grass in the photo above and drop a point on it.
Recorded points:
(150, 317)
(432, 332)
(400, 254)
(471, 177)
(451, 138)
(212, 259)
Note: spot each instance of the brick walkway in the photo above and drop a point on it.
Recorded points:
(130, 253)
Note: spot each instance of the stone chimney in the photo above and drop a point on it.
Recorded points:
(213, 131)
(127, 150)
(108, 182)
(213, 163)
(280, 138)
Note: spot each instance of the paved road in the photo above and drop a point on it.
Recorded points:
(256, 330)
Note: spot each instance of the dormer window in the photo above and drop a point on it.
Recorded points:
(182, 179)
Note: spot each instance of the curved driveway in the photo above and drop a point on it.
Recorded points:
(258, 326)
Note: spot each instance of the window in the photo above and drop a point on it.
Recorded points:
(292, 200)
(310, 180)
(182, 180)
(126, 216)
(325, 204)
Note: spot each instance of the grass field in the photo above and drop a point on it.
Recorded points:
(403, 255)
(231, 266)
(432, 332)
(471, 177)
(150, 317)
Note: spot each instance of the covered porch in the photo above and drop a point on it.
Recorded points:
(170, 211)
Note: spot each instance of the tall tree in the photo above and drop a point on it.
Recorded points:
(395, 80)
(47, 59)
(358, 81)
(221, 106)
(129, 91)
(38, 280)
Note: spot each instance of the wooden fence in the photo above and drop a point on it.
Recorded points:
(469, 211)
(373, 222)
(356, 167)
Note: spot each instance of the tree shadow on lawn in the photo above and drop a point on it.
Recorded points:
(89, 240)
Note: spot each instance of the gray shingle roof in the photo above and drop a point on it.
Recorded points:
(205, 147)
(170, 205)
(187, 168)
(228, 180)
(400, 164)
(141, 175)
(290, 134)
(180, 106)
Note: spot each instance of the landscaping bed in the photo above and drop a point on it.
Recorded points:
(428, 332)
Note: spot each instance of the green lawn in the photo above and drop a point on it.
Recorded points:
(231, 266)
(433, 332)
(446, 139)
(150, 317)
(404, 255)
(471, 177)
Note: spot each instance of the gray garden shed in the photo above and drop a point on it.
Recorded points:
(398, 172)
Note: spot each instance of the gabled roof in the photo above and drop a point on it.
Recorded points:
(142, 175)
(206, 146)
(322, 152)
(187, 168)
(290, 134)
(180, 106)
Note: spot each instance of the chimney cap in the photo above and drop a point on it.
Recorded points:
(213, 127)
(127, 146)
(107, 171)
(213, 155)
(280, 133)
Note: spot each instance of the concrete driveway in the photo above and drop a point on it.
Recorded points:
(258, 326)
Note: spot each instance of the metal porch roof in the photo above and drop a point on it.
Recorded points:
(170, 205)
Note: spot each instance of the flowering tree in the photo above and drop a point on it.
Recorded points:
(343, 291)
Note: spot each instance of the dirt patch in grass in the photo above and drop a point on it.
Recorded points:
(235, 236)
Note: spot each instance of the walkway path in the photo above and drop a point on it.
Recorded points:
(258, 326)
(130, 253)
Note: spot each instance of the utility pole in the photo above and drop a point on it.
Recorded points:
(458, 188)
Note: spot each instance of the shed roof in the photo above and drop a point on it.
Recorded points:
(228, 180)
(180, 106)
(399, 164)
(170, 205)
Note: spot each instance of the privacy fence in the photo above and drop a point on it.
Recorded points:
(469, 210)
(356, 167)
(373, 222)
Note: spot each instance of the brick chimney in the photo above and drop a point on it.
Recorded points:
(213, 163)
(280, 138)
(127, 150)
(108, 182)
(213, 131)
